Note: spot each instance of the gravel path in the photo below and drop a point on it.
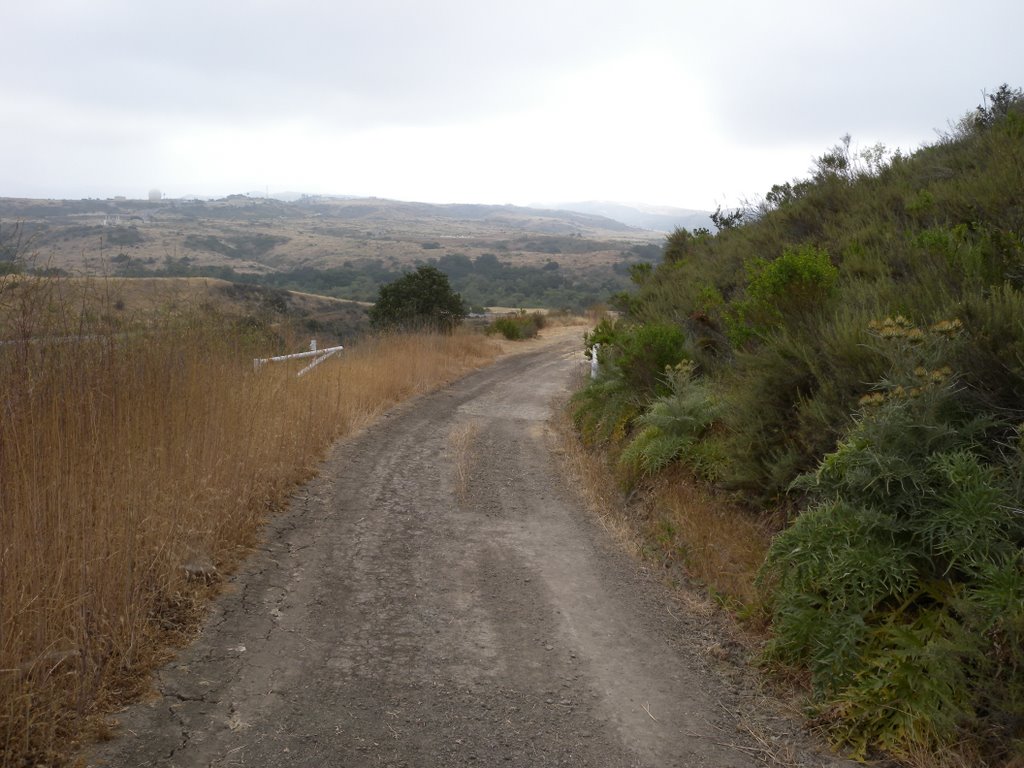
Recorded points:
(439, 597)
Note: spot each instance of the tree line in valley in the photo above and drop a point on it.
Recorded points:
(483, 281)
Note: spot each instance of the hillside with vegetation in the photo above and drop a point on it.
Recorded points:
(345, 248)
(842, 367)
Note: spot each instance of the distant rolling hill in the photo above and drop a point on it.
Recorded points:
(258, 235)
(649, 217)
(341, 247)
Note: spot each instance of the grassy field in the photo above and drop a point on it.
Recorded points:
(138, 466)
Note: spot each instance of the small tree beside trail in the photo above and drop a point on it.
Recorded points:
(420, 299)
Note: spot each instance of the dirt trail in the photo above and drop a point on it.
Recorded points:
(438, 597)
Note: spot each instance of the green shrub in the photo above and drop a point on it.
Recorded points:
(787, 401)
(520, 326)
(420, 299)
(605, 333)
(641, 354)
(604, 410)
(896, 587)
(993, 362)
(794, 285)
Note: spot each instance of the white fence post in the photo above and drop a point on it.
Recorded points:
(594, 365)
(319, 354)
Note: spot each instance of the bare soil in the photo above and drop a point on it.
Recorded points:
(440, 596)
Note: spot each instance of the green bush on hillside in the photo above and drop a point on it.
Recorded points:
(637, 364)
(604, 410)
(794, 285)
(522, 325)
(896, 587)
(641, 355)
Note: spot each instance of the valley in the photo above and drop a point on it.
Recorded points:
(345, 248)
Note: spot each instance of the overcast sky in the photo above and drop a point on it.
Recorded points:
(669, 102)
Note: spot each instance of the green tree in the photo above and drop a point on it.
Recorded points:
(419, 299)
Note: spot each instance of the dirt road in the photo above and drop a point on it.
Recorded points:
(439, 597)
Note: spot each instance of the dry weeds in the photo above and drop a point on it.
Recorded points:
(719, 543)
(462, 437)
(600, 491)
(137, 470)
(674, 521)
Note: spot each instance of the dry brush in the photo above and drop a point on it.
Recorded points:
(136, 469)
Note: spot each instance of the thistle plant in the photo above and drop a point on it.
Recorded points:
(900, 586)
(673, 425)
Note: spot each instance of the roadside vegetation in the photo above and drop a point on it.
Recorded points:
(139, 458)
(843, 364)
(518, 326)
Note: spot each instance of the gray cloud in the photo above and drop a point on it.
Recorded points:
(355, 62)
(803, 71)
(105, 87)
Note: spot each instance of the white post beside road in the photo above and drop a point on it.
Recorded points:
(594, 366)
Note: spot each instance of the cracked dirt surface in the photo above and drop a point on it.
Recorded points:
(439, 596)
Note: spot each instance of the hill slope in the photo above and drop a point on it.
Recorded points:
(347, 248)
(850, 356)
(260, 235)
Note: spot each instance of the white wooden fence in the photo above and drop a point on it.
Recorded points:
(318, 355)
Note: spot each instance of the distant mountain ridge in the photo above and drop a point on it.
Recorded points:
(607, 215)
(560, 219)
(651, 217)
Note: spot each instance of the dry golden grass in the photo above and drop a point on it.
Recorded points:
(136, 470)
(720, 544)
(674, 520)
(597, 485)
(138, 293)
(130, 301)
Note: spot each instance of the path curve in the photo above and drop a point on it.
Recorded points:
(438, 597)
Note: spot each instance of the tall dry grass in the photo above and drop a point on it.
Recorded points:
(135, 469)
(674, 520)
(719, 543)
